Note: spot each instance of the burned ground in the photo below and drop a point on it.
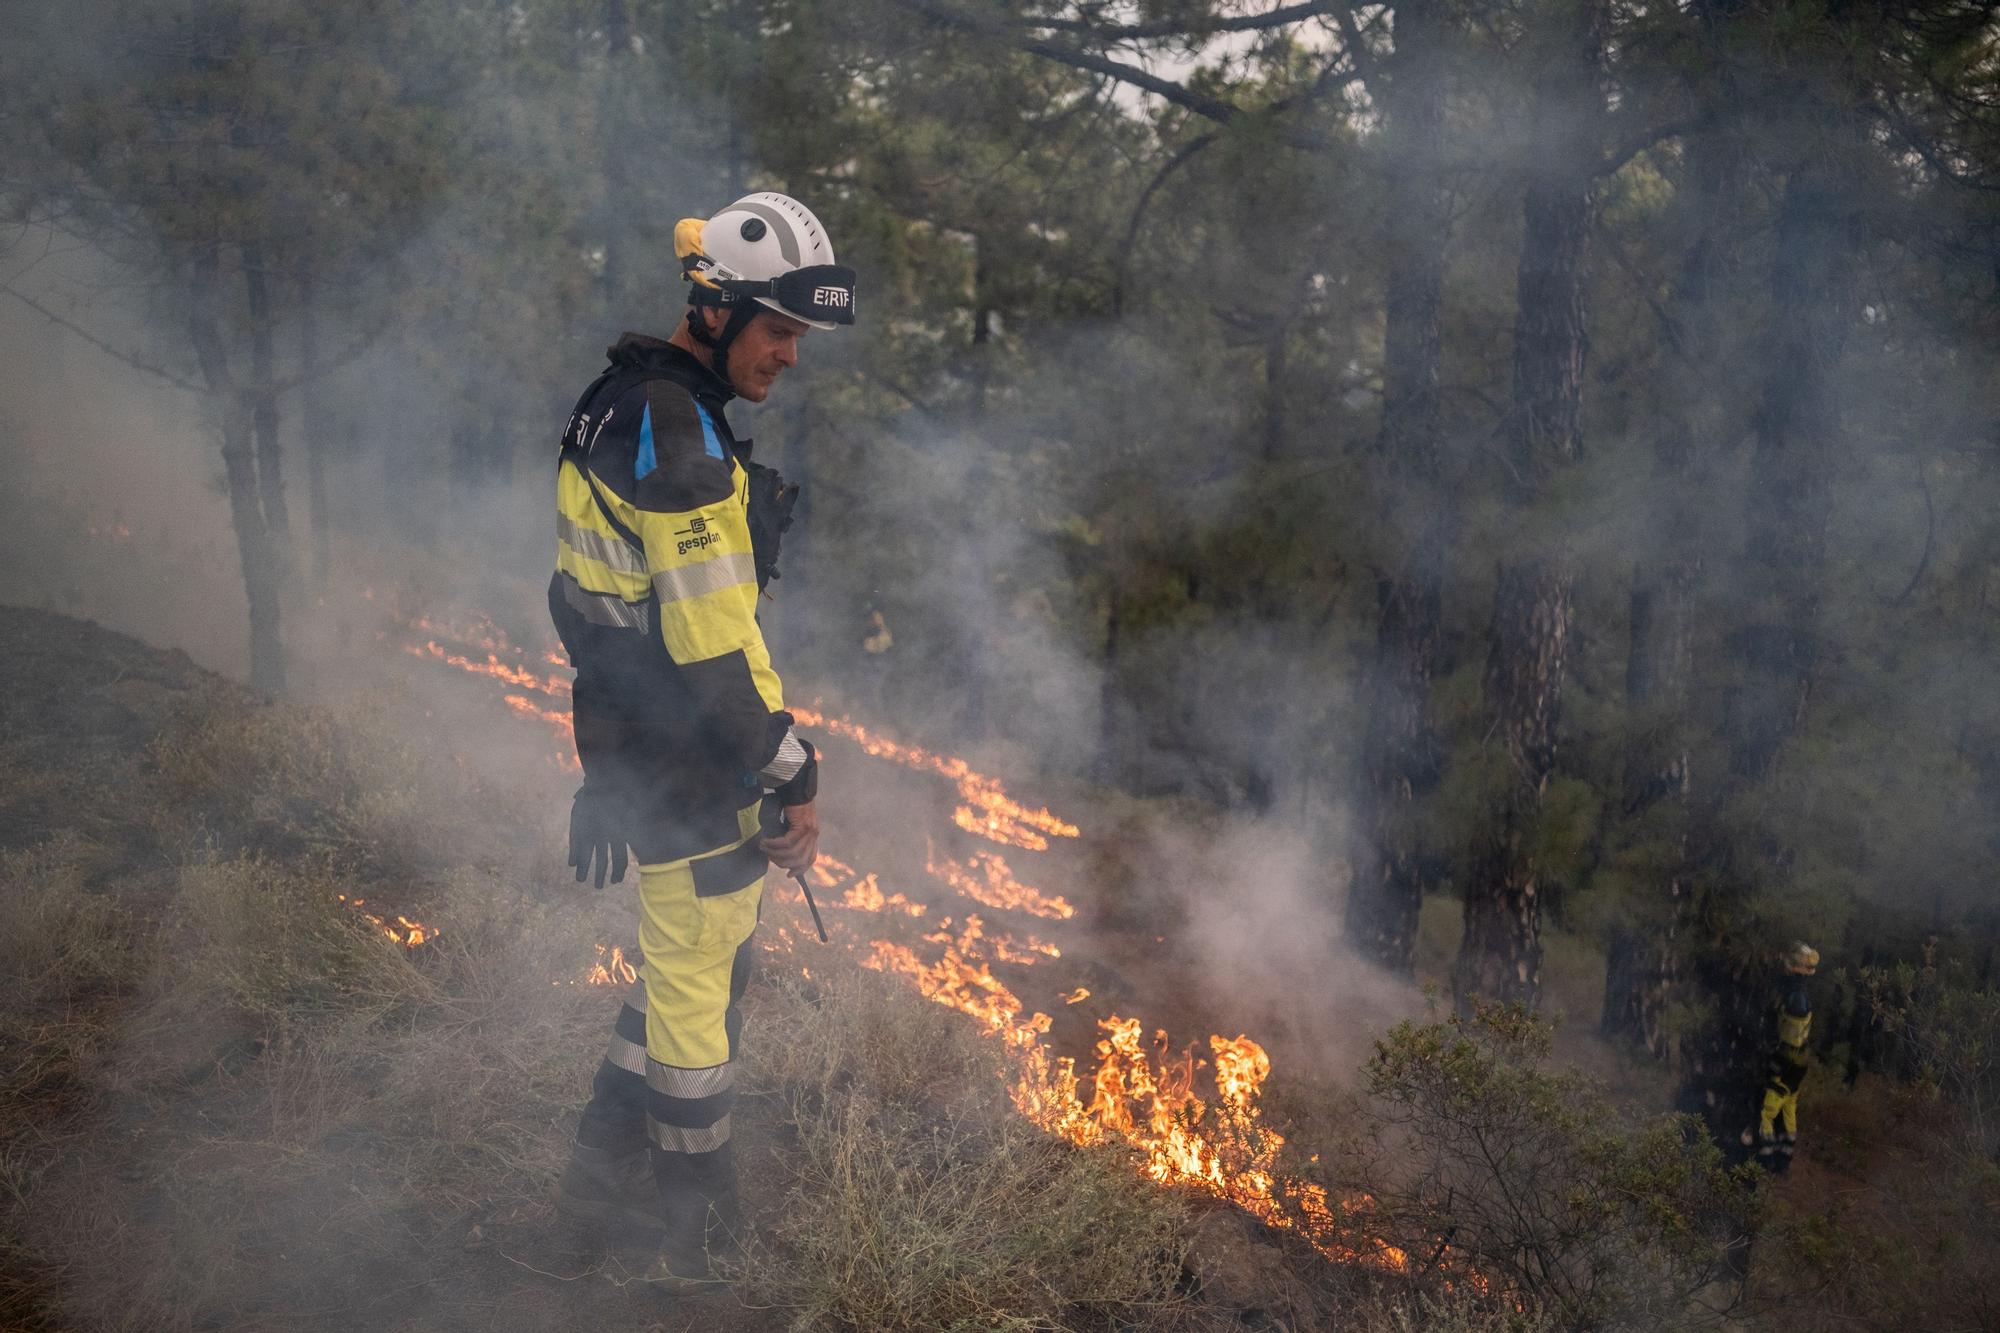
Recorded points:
(232, 1101)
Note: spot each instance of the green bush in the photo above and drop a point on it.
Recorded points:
(1496, 1171)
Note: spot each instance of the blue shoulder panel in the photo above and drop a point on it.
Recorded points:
(644, 465)
(710, 443)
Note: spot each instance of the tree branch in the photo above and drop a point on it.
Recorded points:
(1357, 49)
(1276, 18)
(1181, 157)
(1209, 108)
(1645, 137)
(129, 358)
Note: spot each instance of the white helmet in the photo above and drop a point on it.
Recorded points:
(769, 248)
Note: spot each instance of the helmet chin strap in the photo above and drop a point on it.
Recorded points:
(741, 312)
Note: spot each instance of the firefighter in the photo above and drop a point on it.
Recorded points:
(1791, 1027)
(666, 532)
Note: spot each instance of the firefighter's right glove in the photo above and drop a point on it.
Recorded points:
(595, 842)
(795, 846)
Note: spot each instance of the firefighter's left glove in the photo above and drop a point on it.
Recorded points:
(596, 843)
(770, 502)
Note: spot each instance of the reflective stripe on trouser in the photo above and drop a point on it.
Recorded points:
(667, 1076)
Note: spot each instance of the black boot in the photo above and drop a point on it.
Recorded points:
(703, 1220)
(612, 1190)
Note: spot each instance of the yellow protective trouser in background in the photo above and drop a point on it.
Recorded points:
(1778, 1115)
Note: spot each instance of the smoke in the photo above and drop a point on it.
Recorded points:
(113, 509)
(1080, 544)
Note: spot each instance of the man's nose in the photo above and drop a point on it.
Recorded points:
(788, 354)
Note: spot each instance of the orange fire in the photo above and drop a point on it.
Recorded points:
(492, 666)
(1192, 1121)
(994, 885)
(404, 931)
(988, 812)
(612, 968)
(113, 528)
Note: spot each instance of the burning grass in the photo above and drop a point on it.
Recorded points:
(921, 1201)
(229, 1099)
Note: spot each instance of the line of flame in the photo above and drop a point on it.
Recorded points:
(492, 666)
(994, 885)
(1144, 1100)
(988, 810)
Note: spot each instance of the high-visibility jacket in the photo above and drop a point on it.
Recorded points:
(680, 718)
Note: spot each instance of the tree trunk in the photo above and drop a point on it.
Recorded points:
(1644, 957)
(261, 583)
(1111, 767)
(1277, 359)
(313, 420)
(1401, 758)
(263, 396)
(1500, 955)
(1412, 343)
(979, 367)
(1791, 470)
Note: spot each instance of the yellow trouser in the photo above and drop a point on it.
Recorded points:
(1779, 1107)
(690, 942)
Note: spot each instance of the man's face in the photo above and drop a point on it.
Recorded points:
(762, 352)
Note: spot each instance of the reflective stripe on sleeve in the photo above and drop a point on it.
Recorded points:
(784, 765)
(609, 551)
(602, 608)
(680, 582)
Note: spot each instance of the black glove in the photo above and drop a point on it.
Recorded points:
(770, 504)
(595, 844)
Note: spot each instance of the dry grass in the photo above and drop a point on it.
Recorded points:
(918, 1199)
(228, 1103)
(282, 1108)
(231, 1103)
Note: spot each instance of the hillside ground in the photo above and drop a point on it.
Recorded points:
(228, 1100)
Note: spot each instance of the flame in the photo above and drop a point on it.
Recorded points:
(988, 812)
(405, 932)
(474, 632)
(995, 886)
(1191, 1120)
(493, 667)
(867, 896)
(479, 633)
(565, 758)
(611, 969)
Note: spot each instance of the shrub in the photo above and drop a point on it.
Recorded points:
(1947, 1032)
(1499, 1172)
